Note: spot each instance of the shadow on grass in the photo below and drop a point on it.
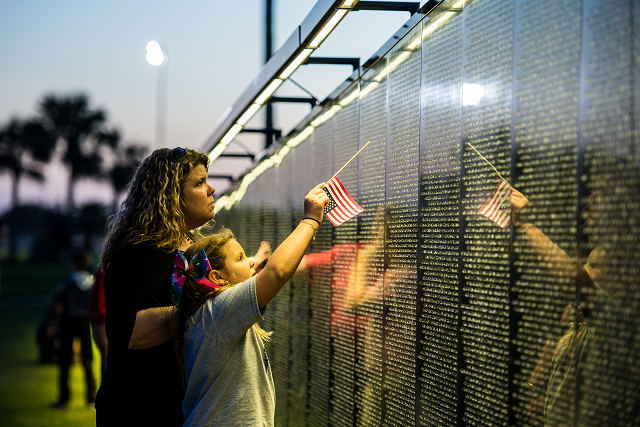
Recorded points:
(27, 389)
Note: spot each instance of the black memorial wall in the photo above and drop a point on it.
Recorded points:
(421, 311)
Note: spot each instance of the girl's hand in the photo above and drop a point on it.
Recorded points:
(262, 256)
(315, 202)
(518, 201)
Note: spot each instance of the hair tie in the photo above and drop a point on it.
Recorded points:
(197, 270)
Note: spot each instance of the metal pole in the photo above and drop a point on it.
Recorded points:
(161, 105)
(268, 51)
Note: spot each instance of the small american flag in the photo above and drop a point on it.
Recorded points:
(341, 206)
(491, 208)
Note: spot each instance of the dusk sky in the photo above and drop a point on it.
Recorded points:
(215, 49)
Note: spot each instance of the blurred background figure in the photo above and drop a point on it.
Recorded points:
(97, 314)
(2, 235)
(48, 335)
(72, 304)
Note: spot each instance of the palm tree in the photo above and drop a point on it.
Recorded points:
(127, 160)
(82, 129)
(24, 147)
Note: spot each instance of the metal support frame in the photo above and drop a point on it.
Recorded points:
(400, 6)
(268, 53)
(300, 40)
(312, 101)
(354, 62)
(239, 155)
(229, 177)
(266, 131)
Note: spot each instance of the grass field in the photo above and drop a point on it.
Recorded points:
(24, 279)
(27, 388)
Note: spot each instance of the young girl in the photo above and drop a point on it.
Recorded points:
(218, 342)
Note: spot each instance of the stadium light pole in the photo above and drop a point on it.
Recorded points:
(159, 59)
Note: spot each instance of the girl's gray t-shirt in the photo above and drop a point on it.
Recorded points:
(229, 381)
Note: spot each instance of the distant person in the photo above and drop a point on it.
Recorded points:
(97, 314)
(227, 372)
(2, 237)
(72, 304)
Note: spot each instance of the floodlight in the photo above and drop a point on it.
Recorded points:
(155, 55)
(153, 46)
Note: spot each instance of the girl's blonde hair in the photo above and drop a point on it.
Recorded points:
(154, 209)
(194, 295)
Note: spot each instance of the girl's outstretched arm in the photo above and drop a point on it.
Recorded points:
(285, 259)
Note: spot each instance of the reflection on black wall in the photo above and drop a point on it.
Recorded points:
(421, 311)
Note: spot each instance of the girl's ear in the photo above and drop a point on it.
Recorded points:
(216, 277)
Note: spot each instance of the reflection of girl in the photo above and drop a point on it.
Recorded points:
(585, 376)
(227, 373)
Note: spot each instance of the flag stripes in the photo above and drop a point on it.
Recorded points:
(341, 206)
(491, 208)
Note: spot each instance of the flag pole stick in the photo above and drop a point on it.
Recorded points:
(347, 164)
(474, 149)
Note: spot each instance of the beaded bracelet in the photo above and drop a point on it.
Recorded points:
(310, 224)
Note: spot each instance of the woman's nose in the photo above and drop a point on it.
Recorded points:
(211, 189)
(251, 263)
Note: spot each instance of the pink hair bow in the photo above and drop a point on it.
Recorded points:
(197, 270)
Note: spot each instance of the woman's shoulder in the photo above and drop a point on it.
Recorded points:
(142, 255)
(145, 249)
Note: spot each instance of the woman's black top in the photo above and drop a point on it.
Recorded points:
(139, 387)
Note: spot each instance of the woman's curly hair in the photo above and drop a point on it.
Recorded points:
(153, 210)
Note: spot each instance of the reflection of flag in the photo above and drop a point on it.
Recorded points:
(341, 206)
(491, 208)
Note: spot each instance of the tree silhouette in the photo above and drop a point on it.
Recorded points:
(91, 223)
(83, 131)
(24, 147)
(127, 160)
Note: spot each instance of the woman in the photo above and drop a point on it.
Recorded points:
(168, 199)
